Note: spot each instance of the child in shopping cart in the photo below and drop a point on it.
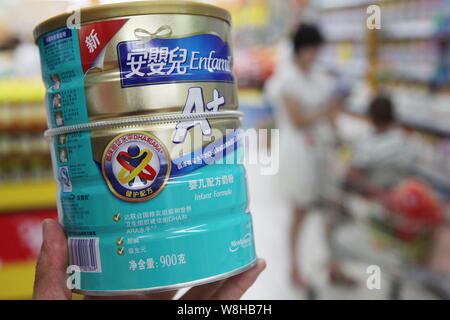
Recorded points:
(382, 159)
(381, 169)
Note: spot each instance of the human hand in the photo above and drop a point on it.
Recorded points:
(50, 279)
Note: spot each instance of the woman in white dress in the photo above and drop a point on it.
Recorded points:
(305, 109)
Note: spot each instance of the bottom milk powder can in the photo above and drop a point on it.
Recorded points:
(147, 146)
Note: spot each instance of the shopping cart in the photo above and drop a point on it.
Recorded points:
(368, 236)
(370, 231)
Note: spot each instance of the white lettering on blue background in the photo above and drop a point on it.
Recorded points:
(197, 58)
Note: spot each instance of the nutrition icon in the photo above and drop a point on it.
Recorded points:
(116, 217)
(120, 248)
(119, 241)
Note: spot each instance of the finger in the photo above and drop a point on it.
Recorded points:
(235, 287)
(50, 278)
(203, 292)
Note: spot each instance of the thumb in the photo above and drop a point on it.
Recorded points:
(235, 287)
(50, 278)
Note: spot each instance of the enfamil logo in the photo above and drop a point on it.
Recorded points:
(135, 166)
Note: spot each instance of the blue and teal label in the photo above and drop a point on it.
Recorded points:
(197, 58)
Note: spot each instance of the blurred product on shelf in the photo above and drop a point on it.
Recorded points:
(27, 190)
(254, 66)
(340, 25)
(410, 65)
(20, 242)
(417, 106)
(24, 230)
(432, 163)
(411, 60)
(259, 113)
(23, 149)
(415, 209)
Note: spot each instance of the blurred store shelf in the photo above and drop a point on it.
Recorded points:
(21, 90)
(20, 242)
(16, 280)
(16, 196)
(441, 130)
(25, 174)
(344, 34)
(410, 30)
(353, 69)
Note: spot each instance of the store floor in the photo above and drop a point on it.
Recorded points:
(271, 218)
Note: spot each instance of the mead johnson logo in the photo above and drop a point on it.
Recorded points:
(242, 243)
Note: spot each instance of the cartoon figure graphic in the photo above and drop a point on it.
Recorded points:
(59, 119)
(57, 100)
(135, 163)
(56, 82)
(136, 166)
(63, 155)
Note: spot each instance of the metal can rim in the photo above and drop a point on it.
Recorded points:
(140, 120)
(116, 10)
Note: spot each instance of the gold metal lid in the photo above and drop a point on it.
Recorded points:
(109, 11)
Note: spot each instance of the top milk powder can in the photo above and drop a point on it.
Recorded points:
(146, 145)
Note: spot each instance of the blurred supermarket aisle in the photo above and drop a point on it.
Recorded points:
(408, 59)
(271, 219)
